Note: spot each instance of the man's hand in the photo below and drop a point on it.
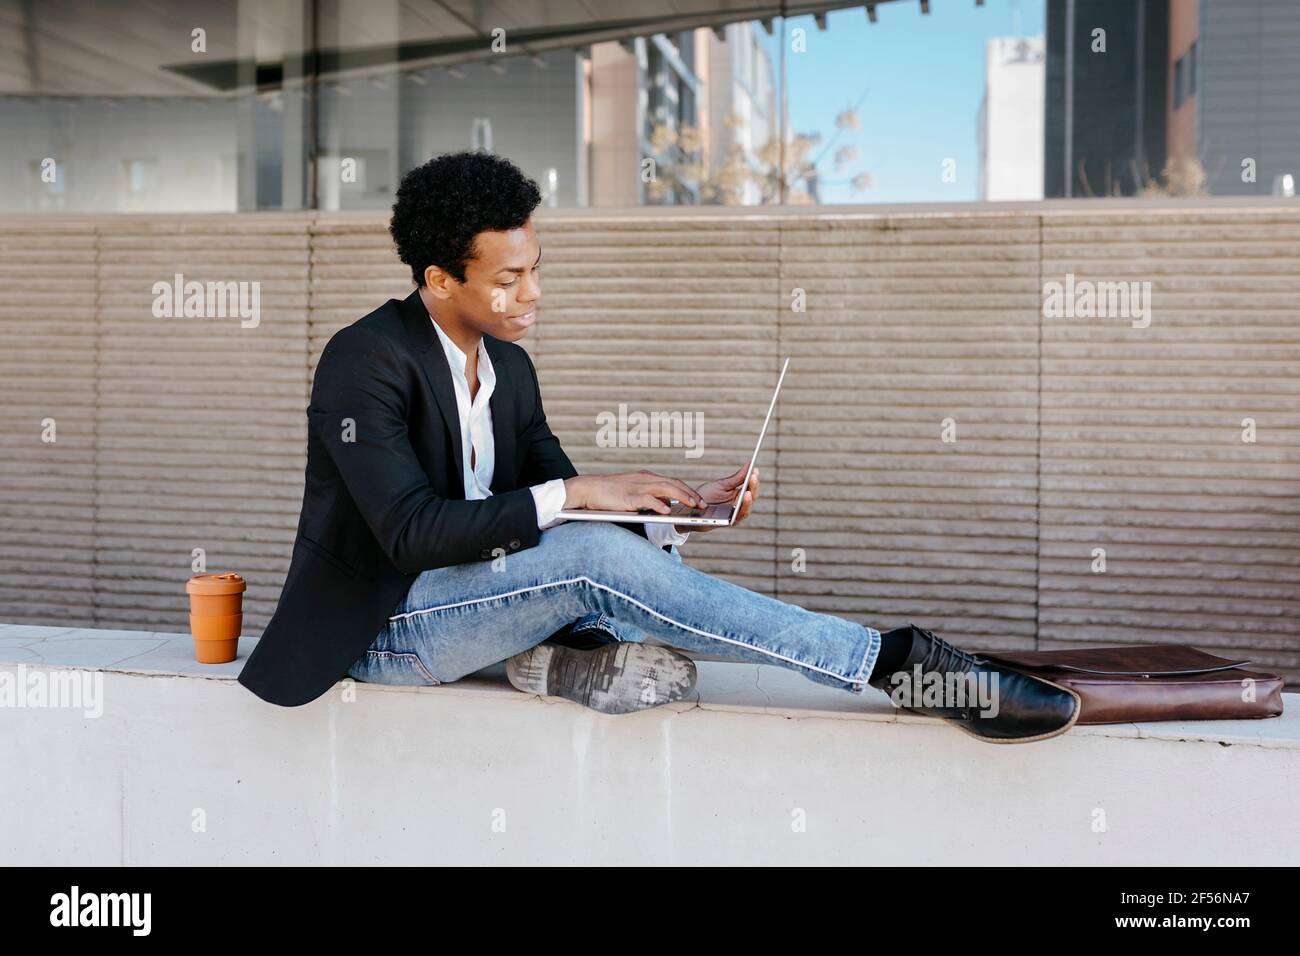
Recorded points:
(724, 489)
(628, 491)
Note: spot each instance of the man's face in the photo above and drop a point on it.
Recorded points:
(502, 284)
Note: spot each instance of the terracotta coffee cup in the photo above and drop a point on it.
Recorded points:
(216, 615)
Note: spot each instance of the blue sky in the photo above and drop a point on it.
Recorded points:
(920, 79)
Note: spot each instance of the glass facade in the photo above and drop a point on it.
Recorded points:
(207, 106)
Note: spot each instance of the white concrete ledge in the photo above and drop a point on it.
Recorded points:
(185, 766)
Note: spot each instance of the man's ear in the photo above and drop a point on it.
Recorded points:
(437, 282)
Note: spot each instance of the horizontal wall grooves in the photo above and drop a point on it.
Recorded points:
(1143, 457)
(1071, 434)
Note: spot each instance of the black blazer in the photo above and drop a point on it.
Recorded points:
(384, 496)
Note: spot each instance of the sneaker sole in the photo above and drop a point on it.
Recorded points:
(614, 679)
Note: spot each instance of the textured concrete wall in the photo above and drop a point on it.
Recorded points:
(1077, 439)
(768, 768)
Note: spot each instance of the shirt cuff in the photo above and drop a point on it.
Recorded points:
(662, 533)
(549, 498)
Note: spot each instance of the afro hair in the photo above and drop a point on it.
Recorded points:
(442, 205)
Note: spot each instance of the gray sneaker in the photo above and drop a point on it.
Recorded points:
(613, 679)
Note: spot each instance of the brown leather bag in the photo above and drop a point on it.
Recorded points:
(1135, 683)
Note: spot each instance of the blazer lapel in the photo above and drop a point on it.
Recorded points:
(424, 340)
(419, 327)
(503, 420)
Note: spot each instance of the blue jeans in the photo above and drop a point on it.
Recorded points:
(459, 619)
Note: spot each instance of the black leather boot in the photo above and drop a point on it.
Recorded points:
(1006, 707)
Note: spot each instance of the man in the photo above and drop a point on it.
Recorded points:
(428, 546)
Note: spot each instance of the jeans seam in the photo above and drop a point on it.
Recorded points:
(581, 578)
(863, 676)
(415, 658)
(603, 623)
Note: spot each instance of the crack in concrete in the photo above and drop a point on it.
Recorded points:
(138, 654)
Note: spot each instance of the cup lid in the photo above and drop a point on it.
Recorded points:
(228, 582)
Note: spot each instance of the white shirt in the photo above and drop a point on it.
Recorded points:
(477, 442)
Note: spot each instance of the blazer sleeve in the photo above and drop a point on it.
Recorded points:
(542, 455)
(358, 411)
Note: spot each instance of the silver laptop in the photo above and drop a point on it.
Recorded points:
(724, 512)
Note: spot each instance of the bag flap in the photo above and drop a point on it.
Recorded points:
(1137, 660)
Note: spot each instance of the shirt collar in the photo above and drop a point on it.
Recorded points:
(456, 358)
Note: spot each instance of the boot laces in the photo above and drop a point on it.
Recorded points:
(943, 656)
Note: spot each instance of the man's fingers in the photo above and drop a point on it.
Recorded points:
(655, 504)
(733, 480)
(675, 489)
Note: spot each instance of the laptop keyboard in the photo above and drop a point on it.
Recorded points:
(681, 508)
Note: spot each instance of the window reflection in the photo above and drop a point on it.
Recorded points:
(228, 105)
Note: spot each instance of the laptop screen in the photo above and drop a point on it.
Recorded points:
(740, 495)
